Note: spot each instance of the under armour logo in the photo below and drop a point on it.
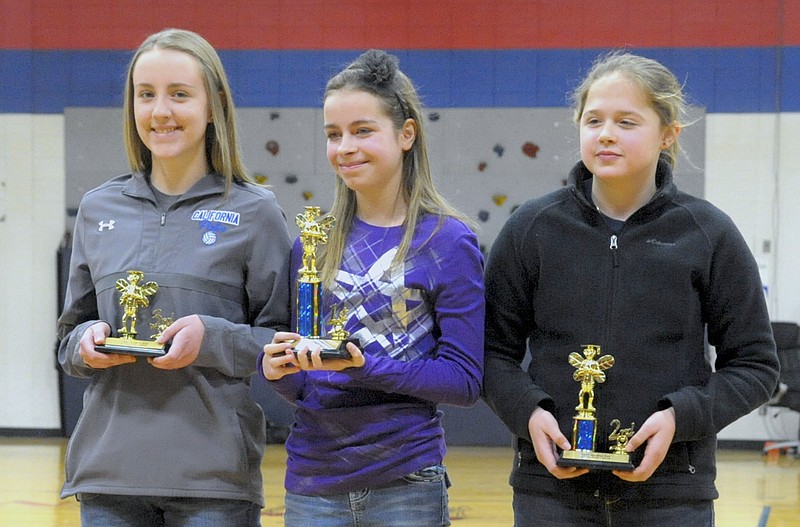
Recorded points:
(106, 225)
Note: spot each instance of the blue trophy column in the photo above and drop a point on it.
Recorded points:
(309, 318)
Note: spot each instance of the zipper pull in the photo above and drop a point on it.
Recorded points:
(614, 253)
(163, 218)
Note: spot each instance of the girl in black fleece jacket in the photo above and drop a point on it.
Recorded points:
(621, 259)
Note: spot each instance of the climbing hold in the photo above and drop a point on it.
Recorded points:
(530, 149)
(499, 199)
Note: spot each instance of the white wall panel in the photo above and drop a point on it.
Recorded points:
(741, 171)
(787, 231)
(32, 160)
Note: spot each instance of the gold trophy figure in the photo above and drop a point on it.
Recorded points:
(133, 296)
(589, 371)
(312, 233)
(621, 436)
(160, 323)
(337, 324)
(308, 307)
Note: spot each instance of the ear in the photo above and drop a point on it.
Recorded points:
(670, 135)
(408, 134)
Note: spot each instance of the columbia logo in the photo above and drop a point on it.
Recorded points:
(659, 242)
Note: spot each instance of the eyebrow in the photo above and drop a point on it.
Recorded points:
(354, 123)
(594, 111)
(170, 85)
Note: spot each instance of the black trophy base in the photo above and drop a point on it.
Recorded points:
(595, 460)
(329, 348)
(139, 348)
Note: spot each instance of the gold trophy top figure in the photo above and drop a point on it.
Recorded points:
(588, 372)
(313, 231)
(134, 296)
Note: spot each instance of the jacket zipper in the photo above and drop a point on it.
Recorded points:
(163, 218)
(613, 246)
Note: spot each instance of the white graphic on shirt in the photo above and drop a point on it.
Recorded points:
(209, 237)
(106, 225)
(401, 316)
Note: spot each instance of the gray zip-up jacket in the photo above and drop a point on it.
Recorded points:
(194, 431)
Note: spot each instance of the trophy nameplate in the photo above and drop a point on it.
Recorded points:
(589, 371)
(134, 296)
(308, 305)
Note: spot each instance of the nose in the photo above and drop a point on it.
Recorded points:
(161, 108)
(606, 134)
(347, 144)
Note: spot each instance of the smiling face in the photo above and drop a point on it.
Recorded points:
(621, 135)
(363, 146)
(171, 109)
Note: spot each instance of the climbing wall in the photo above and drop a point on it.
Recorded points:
(485, 161)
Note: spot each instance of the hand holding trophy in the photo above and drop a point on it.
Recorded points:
(314, 231)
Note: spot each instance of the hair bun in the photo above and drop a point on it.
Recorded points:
(379, 67)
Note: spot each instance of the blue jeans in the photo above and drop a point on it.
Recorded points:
(416, 500)
(110, 510)
(532, 510)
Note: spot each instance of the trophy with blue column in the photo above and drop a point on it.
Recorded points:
(314, 229)
(589, 370)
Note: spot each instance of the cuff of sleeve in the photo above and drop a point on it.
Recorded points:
(526, 411)
(260, 366)
(683, 417)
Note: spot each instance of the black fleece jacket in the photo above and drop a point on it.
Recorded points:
(558, 278)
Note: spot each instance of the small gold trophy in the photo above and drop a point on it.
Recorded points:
(314, 231)
(588, 371)
(135, 295)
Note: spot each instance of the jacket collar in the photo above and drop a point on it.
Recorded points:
(138, 186)
(665, 186)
